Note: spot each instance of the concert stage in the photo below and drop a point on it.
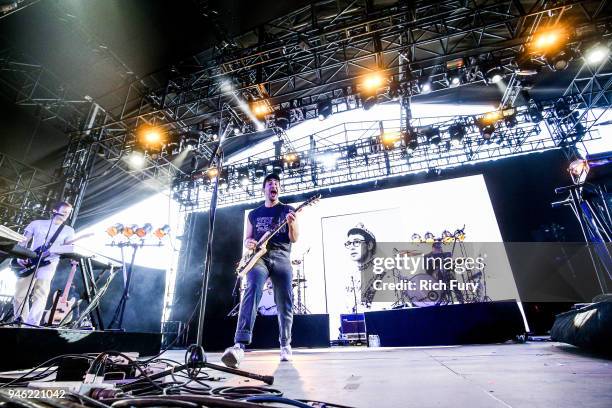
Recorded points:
(29, 347)
(542, 374)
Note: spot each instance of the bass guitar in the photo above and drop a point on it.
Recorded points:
(250, 257)
(61, 304)
(24, 268)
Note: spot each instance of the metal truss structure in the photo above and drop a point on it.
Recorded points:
(319, 52)
(25, 192)
(356, 152)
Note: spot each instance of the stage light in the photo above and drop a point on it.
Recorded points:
(578, 170)
(260, 109)
(491, 117)
(494, 75)
(410, 140)
(292, 160)
(456, 132)
(560, 60)
(212, 172)
(372, 82)
(510, 117)
(137, 158)
(425, 85)
(454, 78)
(390, 139)
(328, 159)
(596, 54)
(162, 231)
(486, 129)
(433, 135)
(562, 109)
(151, 136)
(277, 166)
(429, 237)
(190, 140)
(282, 118)
(416, 238)
(144, 230)
(394, 90)
(548, 40)
(324, 109)
(130, 230)
(115, 230)
(260, 171)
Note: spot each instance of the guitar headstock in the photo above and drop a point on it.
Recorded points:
(312, 200)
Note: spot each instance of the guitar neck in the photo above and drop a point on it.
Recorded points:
(64, 297)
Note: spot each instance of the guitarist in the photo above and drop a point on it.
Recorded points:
(31, 292)
(275, 264)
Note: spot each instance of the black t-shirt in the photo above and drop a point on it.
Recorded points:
(265, 219)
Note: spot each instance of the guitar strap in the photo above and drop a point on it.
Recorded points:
(54, 237)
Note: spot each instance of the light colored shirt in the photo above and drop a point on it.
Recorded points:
(38, 230)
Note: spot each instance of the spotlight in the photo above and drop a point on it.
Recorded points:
(243, 177)
(454, 75)
(114, 230)
(494, 75)
(191, 140)
(511, 120)
(562, 109)
(324, 109)
(410, 141)
(260, 171)
(578, 170)
(425, 85)
(372, 82)
(486, 129)
(535, 112)
(390, 140)
(172, 146)
(151, 136)
(491, 117)
(328, 159)
(561, 60)
(144, 230)
(212, 172)
(282, 118)
(549, 40)
(456, 132)
(416, 238)
(129, 231)
(433, 135)
(596, 54)
(222, 179)
(260, 109)
(394, 90)
(137, 158)
(277, 166)
(292, 160)
(162, 231)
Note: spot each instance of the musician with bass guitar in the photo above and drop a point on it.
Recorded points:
(275, 263)
(33, 286)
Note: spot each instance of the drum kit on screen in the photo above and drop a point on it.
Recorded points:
(267, 305)
(428, 290)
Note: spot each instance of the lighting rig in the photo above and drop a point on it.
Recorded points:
(362, 151)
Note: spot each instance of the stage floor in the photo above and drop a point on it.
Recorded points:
(535, 374)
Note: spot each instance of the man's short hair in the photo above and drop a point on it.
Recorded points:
(360, 229)
(271, 176)
(61, 204)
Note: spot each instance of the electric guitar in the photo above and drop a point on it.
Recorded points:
(250, 257)
(24, 268)
(61, 304)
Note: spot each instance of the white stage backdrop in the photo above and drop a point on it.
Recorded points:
(392, 216)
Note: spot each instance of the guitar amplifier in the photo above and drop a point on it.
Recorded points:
(352, 327)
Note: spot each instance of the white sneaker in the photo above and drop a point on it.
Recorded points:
(232, 356)
(285, 353)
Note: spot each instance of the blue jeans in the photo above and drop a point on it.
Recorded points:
(277, 265)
